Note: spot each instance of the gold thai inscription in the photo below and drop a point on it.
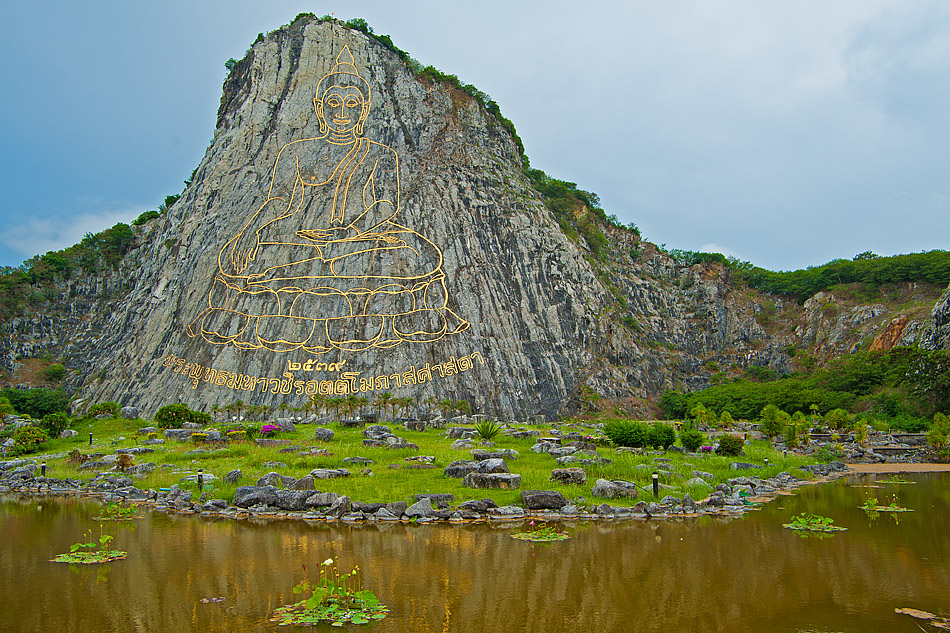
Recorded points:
(346, 382)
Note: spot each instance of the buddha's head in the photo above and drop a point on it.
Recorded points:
(342, 100)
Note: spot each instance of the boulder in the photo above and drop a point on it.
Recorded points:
(459, 469)
(286, 424)
(329, 473)
(322, 434)
(704, 475)
(569, 476)
(460, 433)
(247, 496)
(276, 479)
(438, 500)
(178, 434)
(359, 461)
(397, 507)
(462, 444)
(67, 433)
(493, 466)
(544, 447)
(304, 483)
(479, 454)
(502, 481)
(478, 505)
(543, 499)
(233, 476)
(321, 499)
(376, 431)
(421, 508)
(615, 489)
(339, 507)
(145, 430)
(129, 413)
(293, 500)
(414, 425)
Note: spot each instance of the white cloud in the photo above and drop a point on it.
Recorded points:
(35, 236)
(716, 248)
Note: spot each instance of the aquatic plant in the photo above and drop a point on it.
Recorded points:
(871, 504)
(118, 512)
(334, 598)
(813, 523)
(542, 534)
(92, 552)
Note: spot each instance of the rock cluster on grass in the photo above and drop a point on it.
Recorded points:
(278, 494)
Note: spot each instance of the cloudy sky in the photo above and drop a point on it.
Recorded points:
(786, 134)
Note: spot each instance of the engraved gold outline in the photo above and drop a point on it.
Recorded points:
(282, 289)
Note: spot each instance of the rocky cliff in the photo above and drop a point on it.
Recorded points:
(390, 240)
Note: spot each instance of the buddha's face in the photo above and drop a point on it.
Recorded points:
(342, 108)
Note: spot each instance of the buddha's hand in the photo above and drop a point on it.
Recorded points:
(244, 251)
(325, 236)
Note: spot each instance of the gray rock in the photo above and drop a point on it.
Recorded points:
(543, 499)
(276, 479)
(233, 476)
(153, 442)
(616, 489)
(414, 425)
(743, 466)
(397, 507)
(322, 434)
(329, 473)
(322, 499)
(293, 500)
(178, 434)
(493, 466)
(421, 508)
(65, 433)
(697, 481)
(304, 483)
(247, 496)
(145, 430)
(462, 444)
(478, 505)
(569, 476)
(507, 512)
(339, 507)
(359, 461)
(129, 413)
(274, 465)
(194, 426)
(479, 454)
(384, 514)
(438, 500)
(492, 480)
(704, 475)
(376, 431)
(459, 469)
(286, 424)
(460, 433)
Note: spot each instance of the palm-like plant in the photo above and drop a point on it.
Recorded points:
(382, 401)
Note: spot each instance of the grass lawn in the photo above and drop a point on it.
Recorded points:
(176, 459)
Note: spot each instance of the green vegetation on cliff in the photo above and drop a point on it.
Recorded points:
(904, 385)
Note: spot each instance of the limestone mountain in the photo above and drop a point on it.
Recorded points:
(357, 227)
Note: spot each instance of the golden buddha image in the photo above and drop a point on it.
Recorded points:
(324, 264)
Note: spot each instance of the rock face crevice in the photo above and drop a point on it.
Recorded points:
(551, 327)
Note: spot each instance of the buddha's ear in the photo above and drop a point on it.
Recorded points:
(363, 115)
(321, 120)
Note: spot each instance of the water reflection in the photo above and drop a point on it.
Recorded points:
(711, 574)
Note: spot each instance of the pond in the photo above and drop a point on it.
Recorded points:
(710, 574)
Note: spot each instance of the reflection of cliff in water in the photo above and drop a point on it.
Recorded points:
(745, 574)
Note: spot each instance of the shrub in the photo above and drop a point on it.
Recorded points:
(173, 415)
(55, 372)
(773, 421)
(628, 433)
(110, 408)
(673, 404)
(488, 429)
(199, 438)
(691, 439)
(251, 431)
(30, 438)
(37, 402)
(730, 445)
(837, 419)
(662, 435)
(269, 430)
(55, 423)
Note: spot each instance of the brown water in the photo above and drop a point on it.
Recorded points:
(744, 574)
